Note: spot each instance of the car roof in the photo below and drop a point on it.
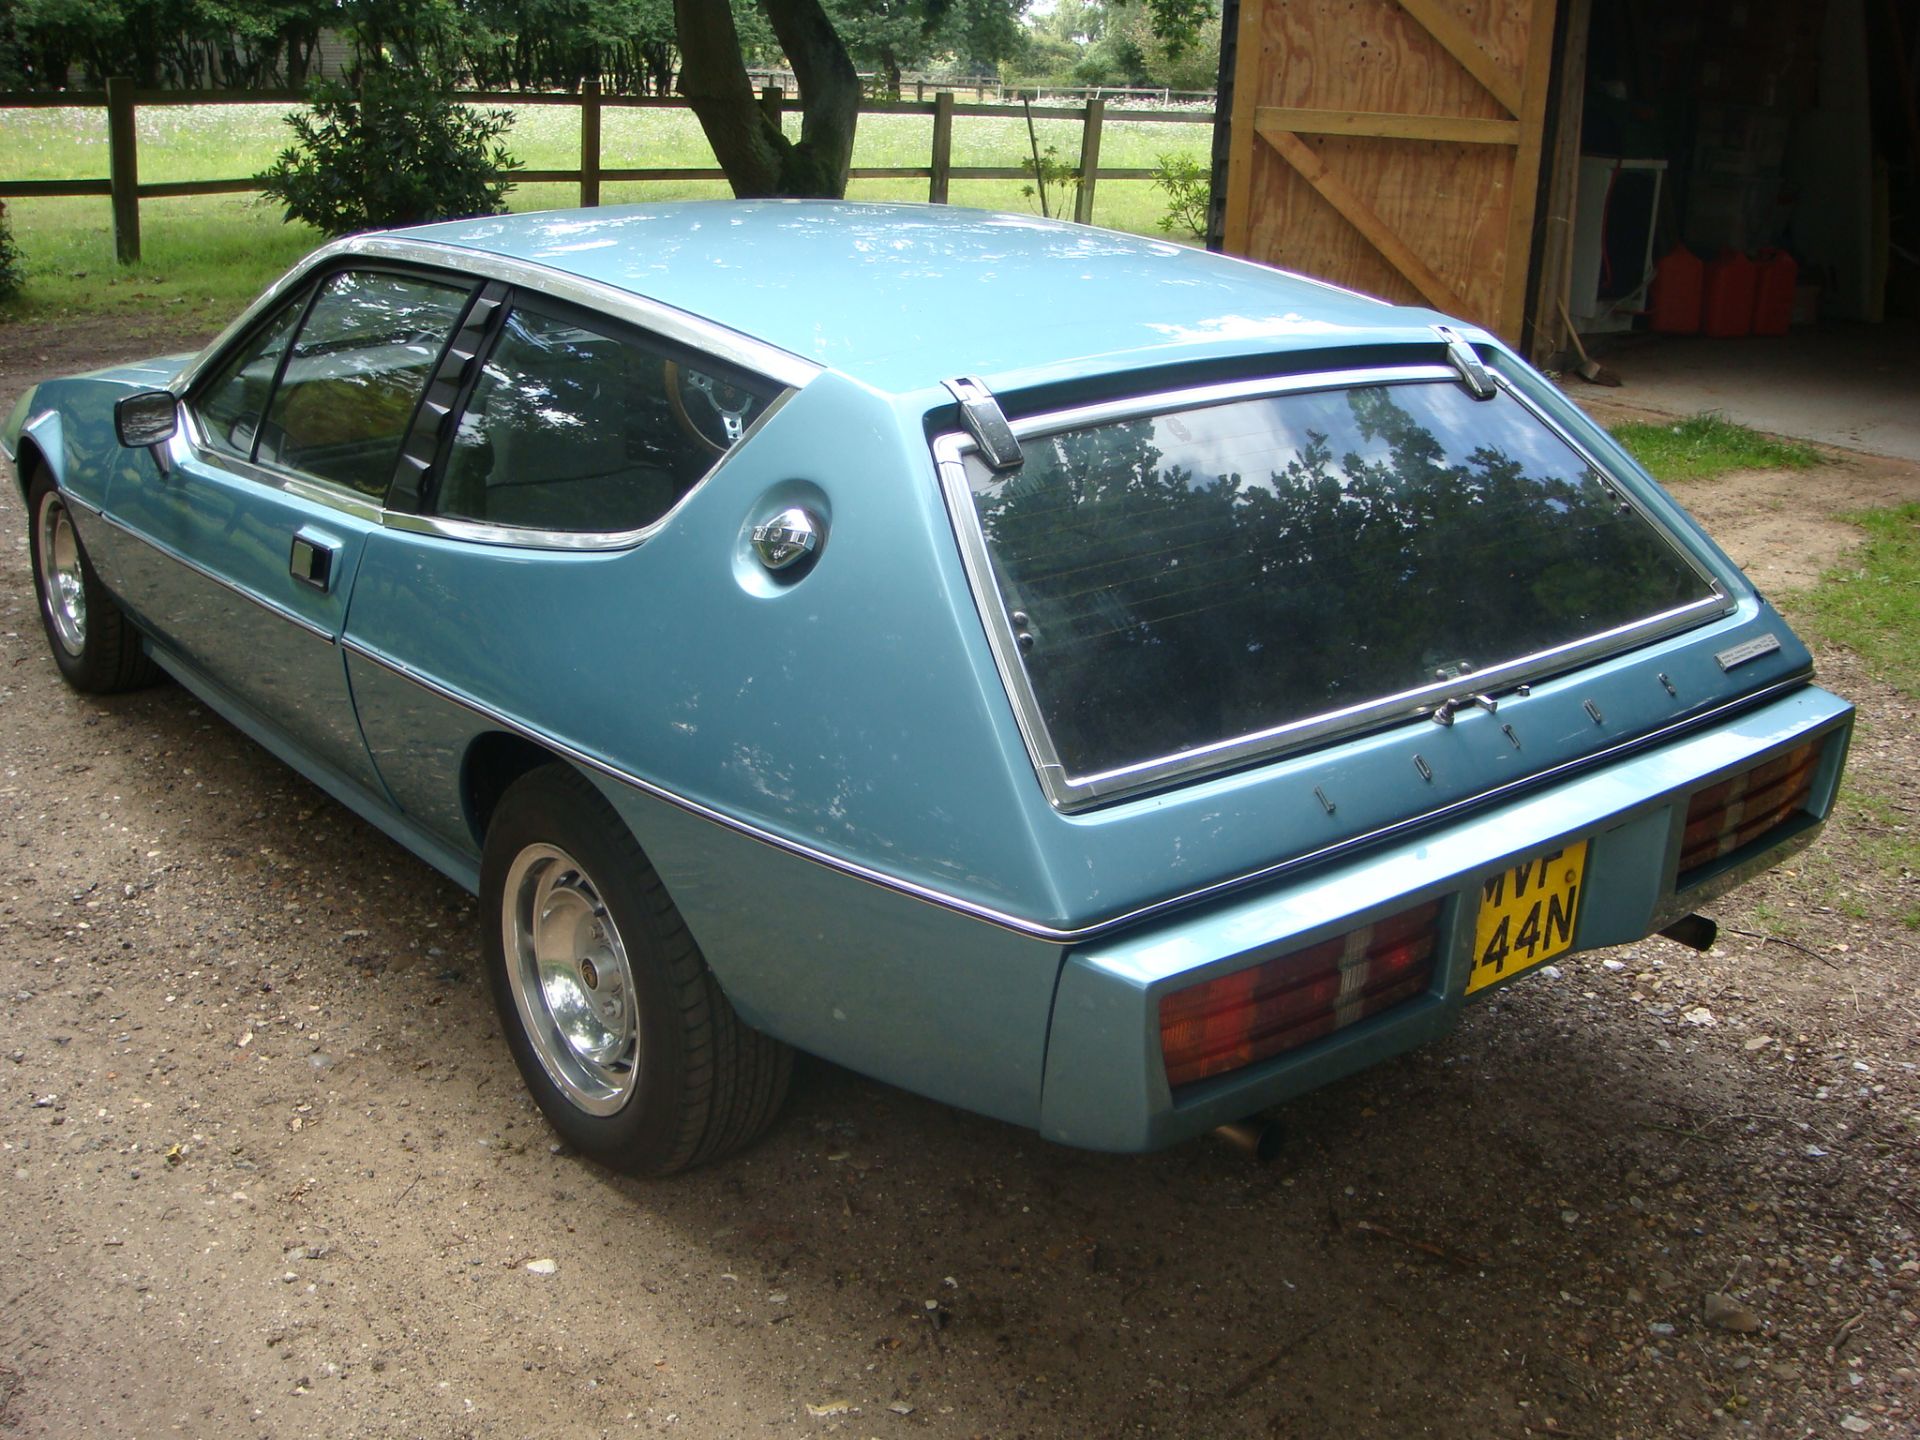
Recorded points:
(900, 297)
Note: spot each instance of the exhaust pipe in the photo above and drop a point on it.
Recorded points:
(1696, 932)
(1261, 1139)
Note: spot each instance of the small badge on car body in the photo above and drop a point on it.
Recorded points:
(1746, 650)
(788, 538)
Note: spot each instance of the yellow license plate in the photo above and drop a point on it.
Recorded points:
(1527, 915)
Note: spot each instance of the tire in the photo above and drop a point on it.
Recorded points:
(620, 1030)
(94, 644)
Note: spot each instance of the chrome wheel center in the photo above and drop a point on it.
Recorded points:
(64, 592)
(571, 980)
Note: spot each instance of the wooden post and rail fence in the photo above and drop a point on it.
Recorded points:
(124, 188)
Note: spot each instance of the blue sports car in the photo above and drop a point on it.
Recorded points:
(1106, 686)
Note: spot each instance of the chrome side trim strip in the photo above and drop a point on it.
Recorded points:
(850, 868)
(791, 370)
(80, 502)
(1034, 929)
(300, 622)
(1070, 792)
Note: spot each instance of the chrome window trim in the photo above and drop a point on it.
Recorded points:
(1069, 793)
(618, 304)
(1035, 929)
(199, 448)
(790, 370)
(319, 632)
(480, 533)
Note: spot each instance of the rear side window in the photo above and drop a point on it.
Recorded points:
(574, 427)
(347, 392)
(1186, 582)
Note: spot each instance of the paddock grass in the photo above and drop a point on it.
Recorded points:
(210, 254)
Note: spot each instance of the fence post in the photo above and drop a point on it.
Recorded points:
(772, 98)
(1089, 159)
(123, 170)
(942, 146)
(590, 143)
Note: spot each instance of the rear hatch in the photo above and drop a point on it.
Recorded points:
(1184, 584)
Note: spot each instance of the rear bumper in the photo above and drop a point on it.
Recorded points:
(1105, 1084)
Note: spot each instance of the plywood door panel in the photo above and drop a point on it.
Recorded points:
(1392, 146)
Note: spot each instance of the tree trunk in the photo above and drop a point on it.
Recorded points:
(759, 160)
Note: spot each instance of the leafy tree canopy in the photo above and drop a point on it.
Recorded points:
(1167, 44)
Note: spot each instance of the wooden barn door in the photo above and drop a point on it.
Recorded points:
(1393, 146)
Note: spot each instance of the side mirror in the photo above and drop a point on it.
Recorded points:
(147, 418)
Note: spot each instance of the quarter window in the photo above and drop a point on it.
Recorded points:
(570, 428)
(236, 397)
(348, 391)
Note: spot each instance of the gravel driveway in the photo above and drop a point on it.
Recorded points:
(268, 1170)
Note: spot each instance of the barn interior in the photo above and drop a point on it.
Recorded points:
(1746, 209)
(1715, 201)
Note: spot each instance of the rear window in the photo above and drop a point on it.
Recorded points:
(1224, 577)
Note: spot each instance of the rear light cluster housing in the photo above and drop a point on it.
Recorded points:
(1249, 1015)
(1736, 812)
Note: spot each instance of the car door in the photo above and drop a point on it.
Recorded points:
(254, 531)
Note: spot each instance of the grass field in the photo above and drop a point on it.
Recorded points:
(213, 253)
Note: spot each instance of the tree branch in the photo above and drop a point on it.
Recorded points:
(758, 158)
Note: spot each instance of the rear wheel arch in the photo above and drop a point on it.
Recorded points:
(621, 1032)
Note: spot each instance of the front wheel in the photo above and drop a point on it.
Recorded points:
(95, 646)
(620, 1030)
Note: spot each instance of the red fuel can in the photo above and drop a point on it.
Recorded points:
(1731, 281)
(1773, 292)
(1678, 280)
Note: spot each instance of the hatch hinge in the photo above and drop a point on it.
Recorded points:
(986, 422)
(1462, 356)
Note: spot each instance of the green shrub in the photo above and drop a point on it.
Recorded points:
(391, 150)
(13, 272)
(1188, 186)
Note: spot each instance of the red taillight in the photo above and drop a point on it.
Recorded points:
(1252, 1014)
(1736, 812)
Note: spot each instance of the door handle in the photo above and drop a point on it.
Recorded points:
(310, 561)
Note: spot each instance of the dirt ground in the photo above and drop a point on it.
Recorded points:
(268, 1171)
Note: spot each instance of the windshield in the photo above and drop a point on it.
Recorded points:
(1200, 575)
